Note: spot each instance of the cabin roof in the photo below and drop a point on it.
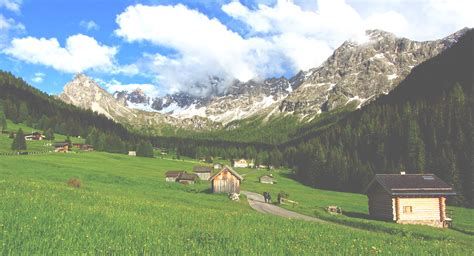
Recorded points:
(412, 184)
(60, 144)
(173, 173)
(187, 176)
(230, 170)
(202, 169)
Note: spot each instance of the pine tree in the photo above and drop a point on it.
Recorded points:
(145, 149)
(19, 142)
(23, 112)
(3, 119)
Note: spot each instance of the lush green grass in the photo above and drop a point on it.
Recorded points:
(125, 207)
(38, 146)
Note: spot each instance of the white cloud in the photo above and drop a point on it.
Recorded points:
(38, 77)
(114, 86)
(79, 54)
(205, 46)
(12, 5)
(89, 25)
(8, 26)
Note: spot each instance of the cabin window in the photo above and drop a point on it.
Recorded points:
(407, 209)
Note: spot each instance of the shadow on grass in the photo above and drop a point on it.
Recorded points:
(358, 215)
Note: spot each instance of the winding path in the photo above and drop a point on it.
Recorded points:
(257, 202)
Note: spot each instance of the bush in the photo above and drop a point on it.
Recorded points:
(74, 182)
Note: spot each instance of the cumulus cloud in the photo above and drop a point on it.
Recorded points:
(9, 26)
(79, 54)
(114, 86)
(89, 25)
(12, 5)
(38, 77)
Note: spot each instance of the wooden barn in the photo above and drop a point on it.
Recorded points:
(266, 179)
(203, 172)
(61, 147)
(187, 178)
(409, 199)
(171, 176)
(226, 181)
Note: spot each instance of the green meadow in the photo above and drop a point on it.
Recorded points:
(124, 206)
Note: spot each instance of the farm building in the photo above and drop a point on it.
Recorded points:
(61, 147)
(266, 179)
(203, 172)
(243, 163)
(187, 178)
(35, 136)
(226, 181)
(83, 147)
(217, 166)
(409, 199)
(171, 176)
(132, 153)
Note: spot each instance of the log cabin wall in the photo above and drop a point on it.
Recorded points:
(424, 209)
(380, 205)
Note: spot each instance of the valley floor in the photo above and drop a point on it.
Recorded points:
(124, 206)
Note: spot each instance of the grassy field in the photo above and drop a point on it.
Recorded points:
(124, 206)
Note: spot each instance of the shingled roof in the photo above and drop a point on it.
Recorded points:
(412, 185)
(230, 170)
(202, 169)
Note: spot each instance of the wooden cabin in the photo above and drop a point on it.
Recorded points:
(61, 147)
(187, 178)
(409, 199)
(171, 176)
(266, 179)
(203, 172)
(243, 163)
(226, 181)
(35, 136)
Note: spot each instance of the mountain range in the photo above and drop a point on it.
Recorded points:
(355, 74)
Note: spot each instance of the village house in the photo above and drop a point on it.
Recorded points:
(226, 181)
(243, 163)
(83, 147)
(266, 179)
(187, 178)
(203, 172)
(409, 199)
(61, 147)
(171, 176)
(35, 136)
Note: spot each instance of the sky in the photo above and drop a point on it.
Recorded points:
(167, 46)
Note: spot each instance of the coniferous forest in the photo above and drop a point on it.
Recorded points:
(425, 125)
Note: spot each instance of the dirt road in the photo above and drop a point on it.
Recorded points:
(257, 202)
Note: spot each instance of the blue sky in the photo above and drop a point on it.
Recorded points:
(168, 46)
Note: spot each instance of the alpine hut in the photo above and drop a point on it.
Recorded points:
(409, 199)
(203, 172)
(226, 181)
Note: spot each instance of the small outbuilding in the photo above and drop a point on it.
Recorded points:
(187, 178)
(132, 153)
(226, 181)
(409, 199)
(61, 147)
(267, 179)
(203, 172)
(218, 166)
(172, 176)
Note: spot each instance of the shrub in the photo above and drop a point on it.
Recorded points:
(74, 182)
